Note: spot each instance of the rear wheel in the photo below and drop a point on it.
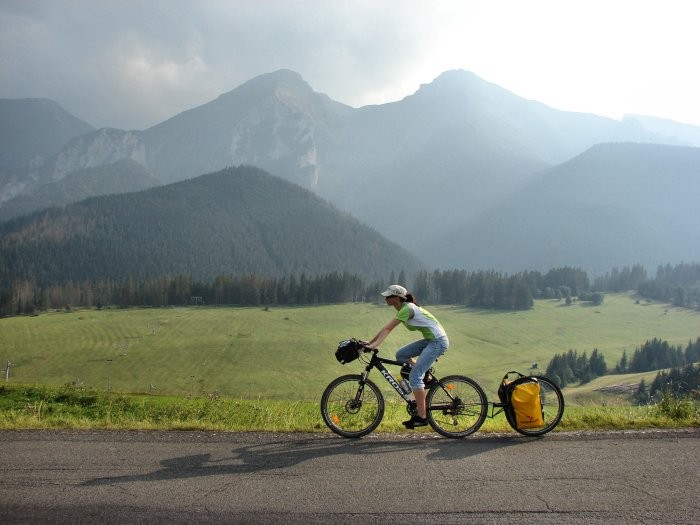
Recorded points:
(352, 409)
(552, 402)
(456, 406)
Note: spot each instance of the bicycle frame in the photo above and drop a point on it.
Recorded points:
(494, 406)
(378, 363)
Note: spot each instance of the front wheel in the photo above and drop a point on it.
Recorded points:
(350, 408)
(552, 402)
(456, 406)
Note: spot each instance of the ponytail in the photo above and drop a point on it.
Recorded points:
(410, 298)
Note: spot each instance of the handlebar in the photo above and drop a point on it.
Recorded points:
(365, 348)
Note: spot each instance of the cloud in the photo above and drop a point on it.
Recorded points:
(133, 63)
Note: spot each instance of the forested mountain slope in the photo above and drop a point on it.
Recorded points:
(232, 222)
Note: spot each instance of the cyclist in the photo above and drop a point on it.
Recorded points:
(428, 349)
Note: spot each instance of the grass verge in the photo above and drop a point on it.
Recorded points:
(42, 407)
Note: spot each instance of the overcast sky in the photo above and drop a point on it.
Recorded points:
(131, 64)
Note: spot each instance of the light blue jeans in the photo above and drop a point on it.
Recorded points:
(427, 351)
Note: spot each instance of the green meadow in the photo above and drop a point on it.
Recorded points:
(287, 353)
(264, 369)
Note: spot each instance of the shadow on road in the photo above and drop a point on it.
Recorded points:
(286, 453)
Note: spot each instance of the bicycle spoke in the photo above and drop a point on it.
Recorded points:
(348, 414)
(456, 406)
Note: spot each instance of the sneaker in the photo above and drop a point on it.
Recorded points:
(415, 421)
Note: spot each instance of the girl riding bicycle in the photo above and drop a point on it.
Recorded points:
(428, 349)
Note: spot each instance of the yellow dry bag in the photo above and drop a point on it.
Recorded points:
(525, 399)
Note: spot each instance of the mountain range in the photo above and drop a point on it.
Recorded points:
(458, 172)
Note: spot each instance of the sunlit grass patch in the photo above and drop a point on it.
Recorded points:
(30, 407)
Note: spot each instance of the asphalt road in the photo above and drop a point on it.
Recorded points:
(206, 477)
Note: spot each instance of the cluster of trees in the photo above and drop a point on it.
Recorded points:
(684, 376)
(678, 381)
(495, 290)
(629, 278)
(573, 367)
(655, 354)
(679, 284)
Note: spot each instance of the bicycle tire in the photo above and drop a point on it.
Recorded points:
(343, 414)
(456, 406)
(552, 401)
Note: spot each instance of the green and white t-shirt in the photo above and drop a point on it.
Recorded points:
(416, 318)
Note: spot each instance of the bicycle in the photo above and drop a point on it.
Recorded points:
(352, 405)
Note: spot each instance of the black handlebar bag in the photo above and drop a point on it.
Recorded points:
(347, 351)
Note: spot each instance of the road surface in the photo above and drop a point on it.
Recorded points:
(267, 478)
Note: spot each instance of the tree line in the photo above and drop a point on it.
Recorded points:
(479, 289)
(495, 290)
(679, 284)
(657, 353)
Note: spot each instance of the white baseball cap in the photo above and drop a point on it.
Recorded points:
(397, 290)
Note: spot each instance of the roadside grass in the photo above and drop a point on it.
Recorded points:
(44, 407)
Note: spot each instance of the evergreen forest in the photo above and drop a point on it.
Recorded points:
(481, 289)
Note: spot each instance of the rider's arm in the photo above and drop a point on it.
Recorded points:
(383, 333)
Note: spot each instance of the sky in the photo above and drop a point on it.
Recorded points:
(131, 64)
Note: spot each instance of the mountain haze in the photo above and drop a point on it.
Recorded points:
(687, 134)
(34, 127)
(117, 177)
(232, 222)
(31, 131)
(615, 204)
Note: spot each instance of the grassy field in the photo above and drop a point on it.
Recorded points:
(287, 353)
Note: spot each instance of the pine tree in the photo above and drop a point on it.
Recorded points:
(623, 364)
(641, 397)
